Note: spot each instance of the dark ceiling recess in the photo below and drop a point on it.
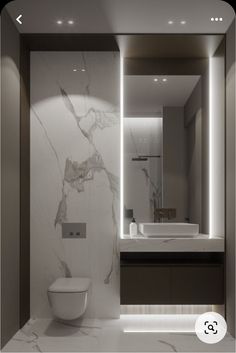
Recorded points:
(70, 42)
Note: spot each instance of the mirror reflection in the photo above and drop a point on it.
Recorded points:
(162, 149)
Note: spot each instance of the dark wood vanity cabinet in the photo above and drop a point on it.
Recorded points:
(173, 278)
(142, 284)
(198, 284)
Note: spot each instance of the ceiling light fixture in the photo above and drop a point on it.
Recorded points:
(70, 22)
(183, 22)
(155, 79)
(74, 70)
(164, 79)
(59, 22)
(83, 70)
(216, 19)
(170, 22)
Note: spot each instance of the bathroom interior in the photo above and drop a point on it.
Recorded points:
(118, 174)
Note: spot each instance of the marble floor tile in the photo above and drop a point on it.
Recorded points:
(130, 333)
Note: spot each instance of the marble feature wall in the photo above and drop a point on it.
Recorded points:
(75, 136)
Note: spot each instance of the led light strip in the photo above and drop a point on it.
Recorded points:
(211, 200)
(211, 194)
(183, 323)
(156, 331)
(121, 145)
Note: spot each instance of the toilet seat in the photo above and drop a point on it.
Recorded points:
(70, 285)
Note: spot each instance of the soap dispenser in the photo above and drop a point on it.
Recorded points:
(133, 229)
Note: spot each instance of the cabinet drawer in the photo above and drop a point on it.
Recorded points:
(172, 278)
(197, 284)
(145, 284)
(172, 284)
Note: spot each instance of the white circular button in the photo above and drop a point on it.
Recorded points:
(210, 327)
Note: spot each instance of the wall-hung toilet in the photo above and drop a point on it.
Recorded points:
(68, 297)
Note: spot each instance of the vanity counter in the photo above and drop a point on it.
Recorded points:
(200, 243)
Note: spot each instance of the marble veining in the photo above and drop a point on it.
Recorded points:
(64, 267)
(77, 174)
(90, 335)
(173, 348)
(78, 117)
(198, 243)
(156, 195)
(142, 137)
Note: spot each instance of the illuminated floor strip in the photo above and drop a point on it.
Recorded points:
(156, 331)
(164, 323)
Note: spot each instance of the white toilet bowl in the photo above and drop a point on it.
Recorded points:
(68, 297)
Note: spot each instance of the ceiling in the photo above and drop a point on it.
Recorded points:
(168, 46)
(121, 16)
(145, 97)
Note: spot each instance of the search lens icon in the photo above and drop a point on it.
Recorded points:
(210, 327)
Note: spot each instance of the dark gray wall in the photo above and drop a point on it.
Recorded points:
(217, 85)
(10, 178)
(174, 162)
(193, 104)
(205, 151)
(230, 179)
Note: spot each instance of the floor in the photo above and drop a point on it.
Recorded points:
(130, 333)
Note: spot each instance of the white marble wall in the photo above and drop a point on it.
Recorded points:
(75, 137)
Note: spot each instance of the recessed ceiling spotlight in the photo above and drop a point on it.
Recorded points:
(220, 19)
(164, 79)
(216, 19)
(183, 22)
(155, 79)
(212, 19)
(59, 22)
(70, 22)
(170, 22)
(83, 70)
(74, 70)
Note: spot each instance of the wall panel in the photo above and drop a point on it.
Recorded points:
(75, 137)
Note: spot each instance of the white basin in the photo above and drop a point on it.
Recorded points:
(160, 230)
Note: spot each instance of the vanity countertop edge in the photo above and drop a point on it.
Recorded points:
(200, 243)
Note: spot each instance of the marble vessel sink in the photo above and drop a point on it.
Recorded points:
(160, 230)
